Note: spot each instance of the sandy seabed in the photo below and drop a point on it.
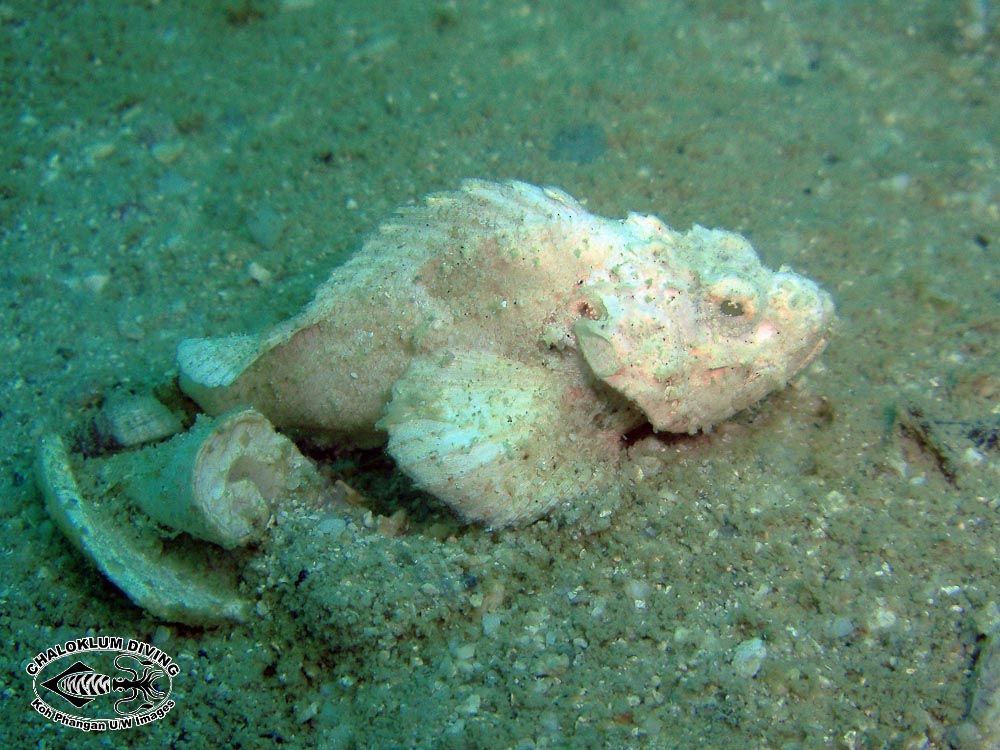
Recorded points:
(820, 572)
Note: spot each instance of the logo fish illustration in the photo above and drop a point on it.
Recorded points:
(79, 685)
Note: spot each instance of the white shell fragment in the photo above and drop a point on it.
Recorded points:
(219, 481)
(133, 420)
(170, 586)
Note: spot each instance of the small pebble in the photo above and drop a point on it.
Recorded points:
(332, 526)
(161, 636)
(638, 592)
(471, 705)
(749, 656)
(95, 282)
(307, 713)
(265, 226)
(898, 183)
(491, 624)
(972, 457)
(394, 525)
(168, 152)
(259, 274)
(882, 619)
(101, 150)
(840, 627)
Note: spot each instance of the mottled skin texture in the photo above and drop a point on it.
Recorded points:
(504, 339)
(466, 272)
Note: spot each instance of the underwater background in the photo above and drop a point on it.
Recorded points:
(819, 572)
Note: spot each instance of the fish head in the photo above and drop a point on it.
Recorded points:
(692, 328)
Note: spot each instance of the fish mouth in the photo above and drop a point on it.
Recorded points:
(821, 319)
(808, 357)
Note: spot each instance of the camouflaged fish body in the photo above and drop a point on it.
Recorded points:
(501, 339)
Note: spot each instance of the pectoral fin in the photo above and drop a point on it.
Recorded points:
(490, 436)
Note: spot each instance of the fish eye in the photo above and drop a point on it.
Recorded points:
(731, 307)
(733, 300)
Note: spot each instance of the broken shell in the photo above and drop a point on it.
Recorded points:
(132, 420)
(219, 481)
(171, 585)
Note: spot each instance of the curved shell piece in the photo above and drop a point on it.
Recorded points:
(219, 481)
(170, 586)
